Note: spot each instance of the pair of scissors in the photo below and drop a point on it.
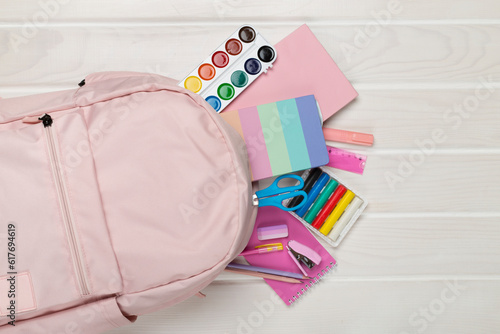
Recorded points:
(274, 195)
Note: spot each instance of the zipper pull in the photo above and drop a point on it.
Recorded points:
(255, 200)
(31, 120)
(46, 120)
(82, 83)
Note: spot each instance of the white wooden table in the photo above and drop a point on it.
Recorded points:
(425, 255)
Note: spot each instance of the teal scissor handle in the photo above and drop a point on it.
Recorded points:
(274, 195)
(278, 199)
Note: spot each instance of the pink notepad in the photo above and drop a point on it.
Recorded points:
(281, 137)
(302, 67)
(289, 292)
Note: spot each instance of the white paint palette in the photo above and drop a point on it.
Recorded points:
(231, 68)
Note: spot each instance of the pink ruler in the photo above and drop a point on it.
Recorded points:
(346, 160)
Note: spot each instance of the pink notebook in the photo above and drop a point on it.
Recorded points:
(289, 292)
(302, 67)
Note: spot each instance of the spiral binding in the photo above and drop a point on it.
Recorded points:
(320, 276)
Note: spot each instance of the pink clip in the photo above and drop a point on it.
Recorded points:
(306, 255)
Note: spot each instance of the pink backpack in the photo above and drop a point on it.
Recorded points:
(119, 198)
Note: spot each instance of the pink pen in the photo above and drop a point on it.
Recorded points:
(264, 249)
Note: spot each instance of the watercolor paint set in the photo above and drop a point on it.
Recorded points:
(231, 68)
(331, 207)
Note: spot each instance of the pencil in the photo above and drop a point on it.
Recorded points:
(266, 270)
(262, 275)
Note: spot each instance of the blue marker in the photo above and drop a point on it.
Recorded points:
(313, 194)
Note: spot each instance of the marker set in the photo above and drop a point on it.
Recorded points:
(232, 67)
(331, 207)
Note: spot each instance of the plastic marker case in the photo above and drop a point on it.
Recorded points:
(232, 67)
(343, 214)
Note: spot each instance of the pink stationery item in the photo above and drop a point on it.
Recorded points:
(296, 261)
(263, 249)
(303, 253)
(289, 293)
(349, 137)
(302, 68)
(272, 232)
(345, 160)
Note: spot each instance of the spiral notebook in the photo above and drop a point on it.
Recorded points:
(289, 292)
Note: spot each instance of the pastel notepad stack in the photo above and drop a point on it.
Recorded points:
(281, 137)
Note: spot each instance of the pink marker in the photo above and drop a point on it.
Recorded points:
(269, 248)
(350, 137)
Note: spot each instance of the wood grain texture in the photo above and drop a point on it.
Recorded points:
(425, 255)
(456, 182)
(219, 11)
(335, 307)
(397, 55)
(409, 247)
(399, 117)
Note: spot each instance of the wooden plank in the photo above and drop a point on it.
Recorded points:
(417, 54)
(419, 247)
(258, 10)
(456, 182)
(440, 306)
(413, 54)
(398, 118)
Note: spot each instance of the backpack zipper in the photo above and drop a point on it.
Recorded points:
(62, 194)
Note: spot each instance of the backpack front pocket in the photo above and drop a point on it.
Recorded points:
(61, 188)
(49, 192)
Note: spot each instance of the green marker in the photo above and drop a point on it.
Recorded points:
(320, 202)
